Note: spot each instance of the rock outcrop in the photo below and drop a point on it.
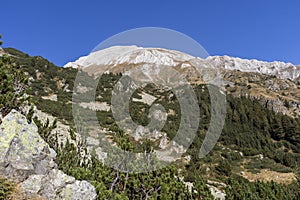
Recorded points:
(61, 131)
(27, 159)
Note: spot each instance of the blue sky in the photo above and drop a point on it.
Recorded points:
(61, 31)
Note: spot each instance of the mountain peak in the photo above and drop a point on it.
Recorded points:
(132, 55)
(118, 55)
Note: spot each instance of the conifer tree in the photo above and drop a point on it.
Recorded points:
(13, 85)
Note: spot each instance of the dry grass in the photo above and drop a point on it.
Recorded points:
(16, 193)
(266, 175)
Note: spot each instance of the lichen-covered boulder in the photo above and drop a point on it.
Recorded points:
(22, 151)
(57, 185)
(27, 159)
(78, 190)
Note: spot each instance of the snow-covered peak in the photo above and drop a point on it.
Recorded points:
(151, 55)
(276, 68)
(119, 55)
(132, 55)
(102, 57)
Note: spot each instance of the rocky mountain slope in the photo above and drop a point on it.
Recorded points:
(260, 136)
(275, 84)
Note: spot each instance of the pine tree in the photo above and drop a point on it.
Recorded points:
(13, 85)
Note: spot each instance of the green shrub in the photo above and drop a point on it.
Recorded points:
(13, 85)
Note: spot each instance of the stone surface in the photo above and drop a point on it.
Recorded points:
(95, 106)
(22, 151)
(52, 97)
(61, 130)
(145, 98)
(82, 189)
(57, 185)
(27, 159)
(217, 193)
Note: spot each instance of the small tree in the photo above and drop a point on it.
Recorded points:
(13, 85)
(224, 168)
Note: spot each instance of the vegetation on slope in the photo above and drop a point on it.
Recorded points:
(13, 85)
(250, 129)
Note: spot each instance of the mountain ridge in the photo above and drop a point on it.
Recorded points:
(132, 55)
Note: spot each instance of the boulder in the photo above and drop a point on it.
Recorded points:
(28, 160)
(22, 151)
(57, 185)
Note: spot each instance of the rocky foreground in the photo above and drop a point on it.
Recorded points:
(28, 160)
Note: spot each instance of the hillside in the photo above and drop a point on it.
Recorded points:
(259, 146)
